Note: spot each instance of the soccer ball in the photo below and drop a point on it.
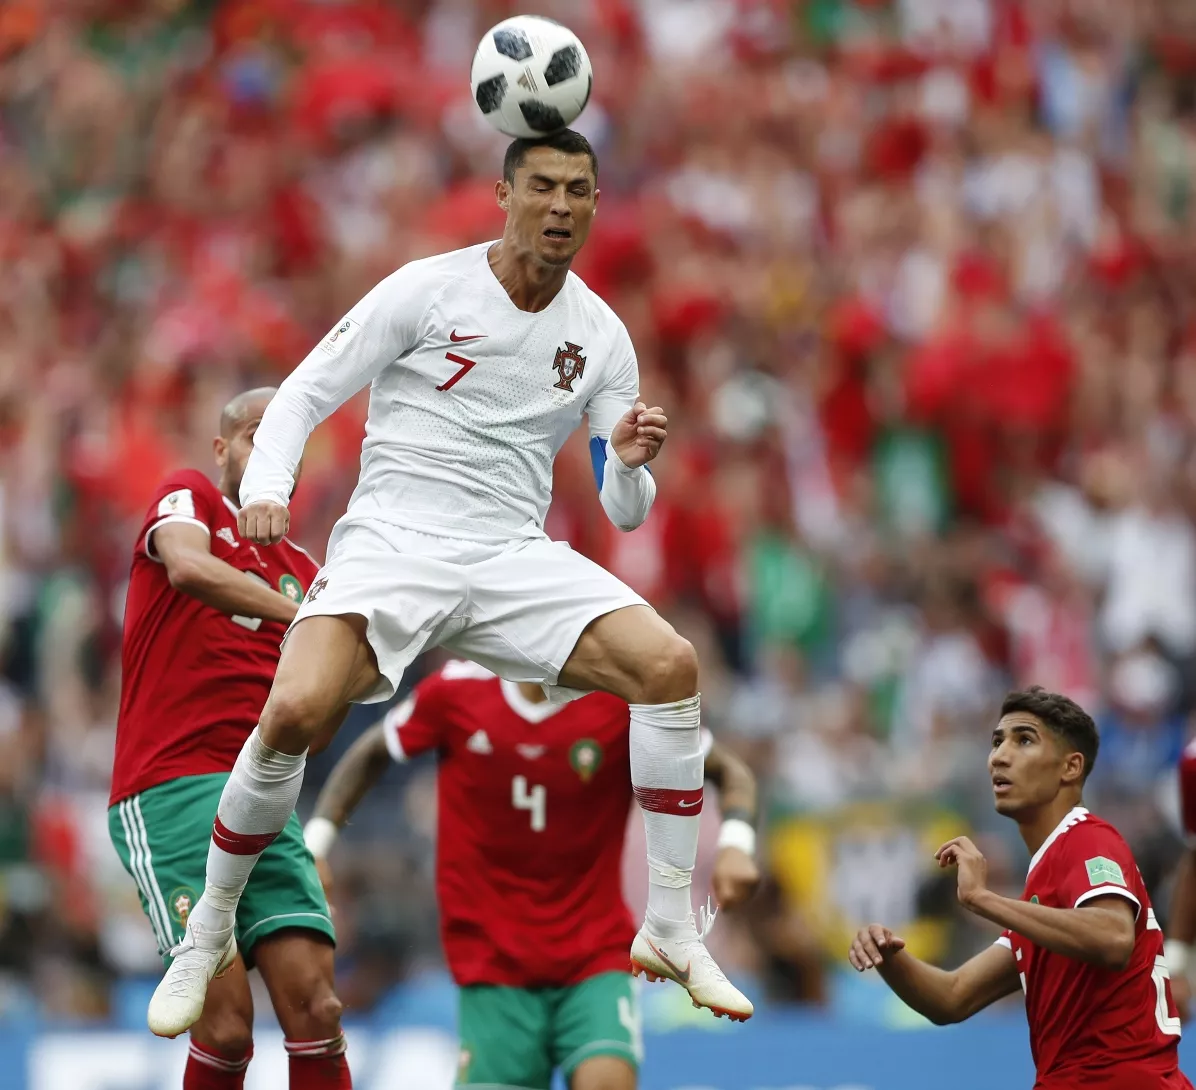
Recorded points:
(530, 76)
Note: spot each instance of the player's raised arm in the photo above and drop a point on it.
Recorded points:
(378, 330)
(185, 550)
(736, 874)
(1099, 930)
(625, 435)
(943, 996)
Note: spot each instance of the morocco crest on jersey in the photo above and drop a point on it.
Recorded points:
(569, 365)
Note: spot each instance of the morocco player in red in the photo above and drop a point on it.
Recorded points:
(533, 806)
(1082, 942)
(1181, 921)
(205, 614)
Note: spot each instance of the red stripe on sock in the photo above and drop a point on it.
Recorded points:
(665, 800)
(318, 1065)
(207, 1070)
(240, 843)
(332, 1046)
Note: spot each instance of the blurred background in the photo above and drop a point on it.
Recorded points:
(914, 281)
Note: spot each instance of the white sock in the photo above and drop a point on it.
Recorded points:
(667, 770)
(258, 799)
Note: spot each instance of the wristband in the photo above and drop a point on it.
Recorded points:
(737, 833)
(1178, 956)
(319, 835)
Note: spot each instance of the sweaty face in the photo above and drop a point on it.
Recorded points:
(1028, 764)
(550, 204)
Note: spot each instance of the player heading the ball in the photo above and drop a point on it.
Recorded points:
(1082, 942)
(480, 365)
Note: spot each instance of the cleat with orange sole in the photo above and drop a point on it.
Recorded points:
(686, 961)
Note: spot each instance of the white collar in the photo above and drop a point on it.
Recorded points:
(230, 505)
(1073, 817)
(526, 709)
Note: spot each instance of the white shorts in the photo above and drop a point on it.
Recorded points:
(517, 609)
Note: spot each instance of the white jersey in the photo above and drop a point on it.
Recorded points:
(471, 398)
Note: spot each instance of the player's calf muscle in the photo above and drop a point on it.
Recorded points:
(298, 973)
(226, 1025)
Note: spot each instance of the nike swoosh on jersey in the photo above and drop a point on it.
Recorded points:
(473, 337)
(682, 976)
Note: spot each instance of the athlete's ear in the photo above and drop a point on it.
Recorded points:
(220, 449)
(1073, 768)
(502, 194)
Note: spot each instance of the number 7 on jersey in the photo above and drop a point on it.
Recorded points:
(466, 367)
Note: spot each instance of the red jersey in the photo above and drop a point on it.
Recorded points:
(533, 802)
(194, 679)
(1187, 788)
(1093, 1028)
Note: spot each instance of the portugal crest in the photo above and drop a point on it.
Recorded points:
(569, 365)
(585, 758)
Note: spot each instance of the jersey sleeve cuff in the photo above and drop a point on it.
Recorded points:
(1110, 891)
(390, 733)
(395, 718)
(149, 549)
(1004, 941)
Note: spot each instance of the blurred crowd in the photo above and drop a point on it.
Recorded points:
(912, 278)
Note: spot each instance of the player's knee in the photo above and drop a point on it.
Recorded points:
(670, 673)
(325, 1011)
(228, 1034)
(292, 717)
(313, 1016)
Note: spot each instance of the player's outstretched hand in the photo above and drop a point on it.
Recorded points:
(872, 944)
(970, 864)
(639, 434)
(263, 522)
(735, 878)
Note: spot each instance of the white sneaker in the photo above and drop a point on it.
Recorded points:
(662, 959)
(178, 999)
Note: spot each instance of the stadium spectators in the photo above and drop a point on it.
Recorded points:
(912, 278)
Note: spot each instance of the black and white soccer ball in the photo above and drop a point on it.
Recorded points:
(530, 76)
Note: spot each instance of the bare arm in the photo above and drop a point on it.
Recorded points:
(942, 996)
(737, 793)
(355, 773)
(185, 550)
(1099, 932)
(736, 874)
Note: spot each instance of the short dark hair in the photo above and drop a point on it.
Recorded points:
(1062, 716)
(566, 140)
